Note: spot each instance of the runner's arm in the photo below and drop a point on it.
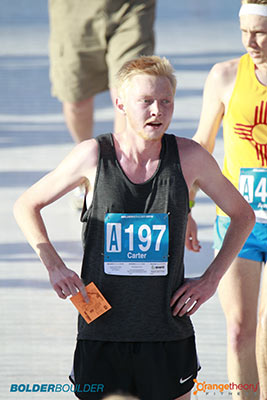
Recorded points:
(71, 172)
(218, 85)
(219, 81)
(195, 292)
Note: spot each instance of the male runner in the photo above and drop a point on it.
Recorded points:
(135, 220)
(236, 91)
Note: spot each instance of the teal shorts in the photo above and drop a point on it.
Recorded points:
(255, 247)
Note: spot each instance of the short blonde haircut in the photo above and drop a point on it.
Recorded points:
(150, 65)
(262, 2)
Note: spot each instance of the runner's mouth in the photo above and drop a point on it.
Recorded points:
(154, 124)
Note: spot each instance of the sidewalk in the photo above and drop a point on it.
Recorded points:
(38, 330)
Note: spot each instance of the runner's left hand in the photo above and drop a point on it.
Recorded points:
(191, 295)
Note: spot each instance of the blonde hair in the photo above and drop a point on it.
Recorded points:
(262, 2)
(151, 65)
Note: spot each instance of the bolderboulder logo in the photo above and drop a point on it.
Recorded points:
(51, 387)
(211, 388)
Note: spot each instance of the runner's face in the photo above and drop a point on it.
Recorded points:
(254, 37)
(148, 103)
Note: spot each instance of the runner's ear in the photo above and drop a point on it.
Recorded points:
(120, 105)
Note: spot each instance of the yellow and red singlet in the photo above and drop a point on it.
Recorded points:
(245, 131)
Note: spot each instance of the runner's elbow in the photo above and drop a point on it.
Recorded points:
(253, 217)
(244, 216)
(23, 207)
(249, 216)
(19, 209)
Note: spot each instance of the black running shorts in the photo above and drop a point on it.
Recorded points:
(147, 370)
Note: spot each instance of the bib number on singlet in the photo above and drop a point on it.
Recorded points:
(136, 244)
(253, 187)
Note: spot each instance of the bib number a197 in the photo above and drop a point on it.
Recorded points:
(136, 244)
(253, 187)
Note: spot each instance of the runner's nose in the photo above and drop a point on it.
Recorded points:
(155, 108)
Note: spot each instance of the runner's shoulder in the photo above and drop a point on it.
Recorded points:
(189, 148)
(87, 151)
(195, 160)
(224, 73)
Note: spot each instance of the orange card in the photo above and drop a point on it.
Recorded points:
(97, 305)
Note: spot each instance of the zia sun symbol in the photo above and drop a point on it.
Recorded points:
(252, 132)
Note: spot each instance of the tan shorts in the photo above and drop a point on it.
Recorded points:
(91, 39)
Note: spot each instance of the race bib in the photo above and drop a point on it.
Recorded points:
(136, 244)
(253, 187)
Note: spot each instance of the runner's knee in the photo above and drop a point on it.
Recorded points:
(242, 335)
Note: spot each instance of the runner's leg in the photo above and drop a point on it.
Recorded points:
(238, 292)
(261, 341)
(79, 119)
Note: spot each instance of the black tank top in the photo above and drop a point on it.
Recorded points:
(140, 304)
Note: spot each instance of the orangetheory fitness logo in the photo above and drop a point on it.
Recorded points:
(209, 388)
(256, 133)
